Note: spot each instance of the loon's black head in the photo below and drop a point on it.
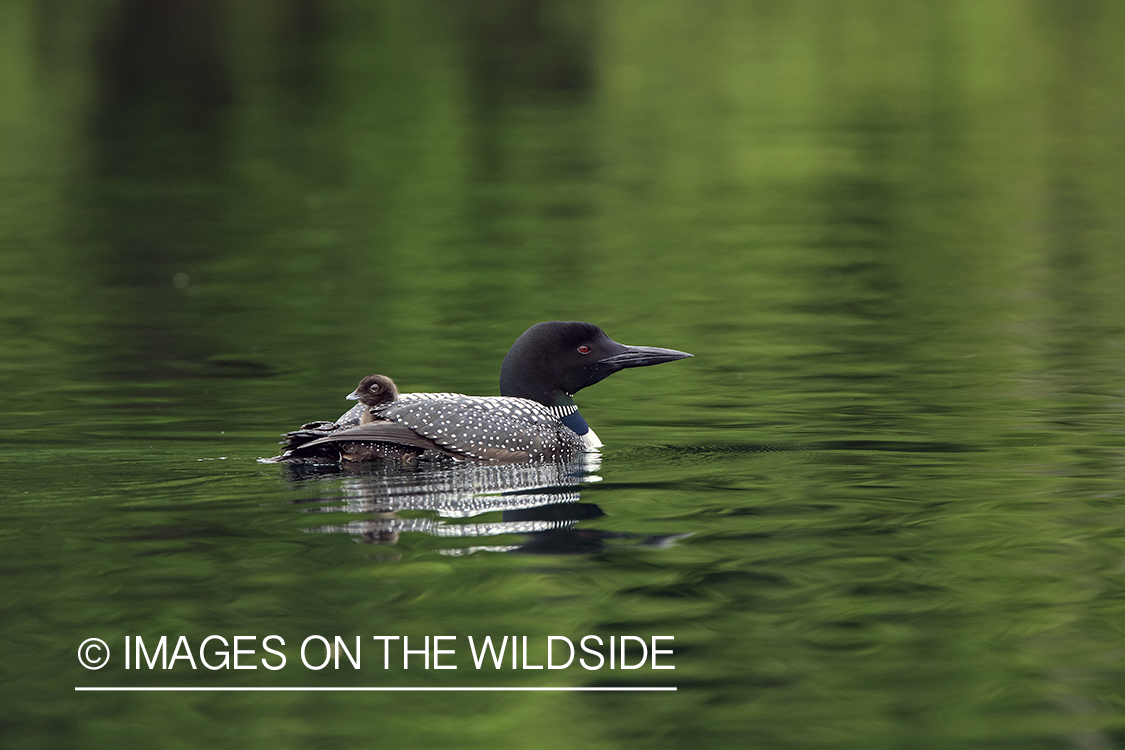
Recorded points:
(552, 361)
(374, 390)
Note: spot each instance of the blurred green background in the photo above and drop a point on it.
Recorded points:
(891, 233)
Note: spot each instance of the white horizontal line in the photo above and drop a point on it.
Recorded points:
(370, 689)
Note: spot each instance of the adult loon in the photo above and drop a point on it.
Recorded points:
(535, 417)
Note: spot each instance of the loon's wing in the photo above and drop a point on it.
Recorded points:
(378, 432)
(490, 428)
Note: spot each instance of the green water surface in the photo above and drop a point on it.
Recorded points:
(882, 507)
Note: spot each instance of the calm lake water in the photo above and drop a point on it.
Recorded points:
(882, 507)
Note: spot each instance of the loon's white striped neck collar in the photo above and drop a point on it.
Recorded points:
(562, 411)
(569, 416)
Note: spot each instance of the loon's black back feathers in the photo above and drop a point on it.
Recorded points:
(483, 428)
(545, 367)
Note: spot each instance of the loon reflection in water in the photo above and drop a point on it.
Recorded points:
(539, 505)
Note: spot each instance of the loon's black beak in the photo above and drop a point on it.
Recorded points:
(642, 356)
(353, 396)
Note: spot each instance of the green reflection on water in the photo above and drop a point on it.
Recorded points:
(891, 234)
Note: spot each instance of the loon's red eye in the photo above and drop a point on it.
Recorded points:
(583, 349)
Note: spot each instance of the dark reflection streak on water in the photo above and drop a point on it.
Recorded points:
(530, 70)
(160, 135)
(523, 48)
(540, 502)
(300, 64)
(1080, 347)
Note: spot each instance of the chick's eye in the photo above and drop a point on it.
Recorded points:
(375, 388)
(583, 349)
